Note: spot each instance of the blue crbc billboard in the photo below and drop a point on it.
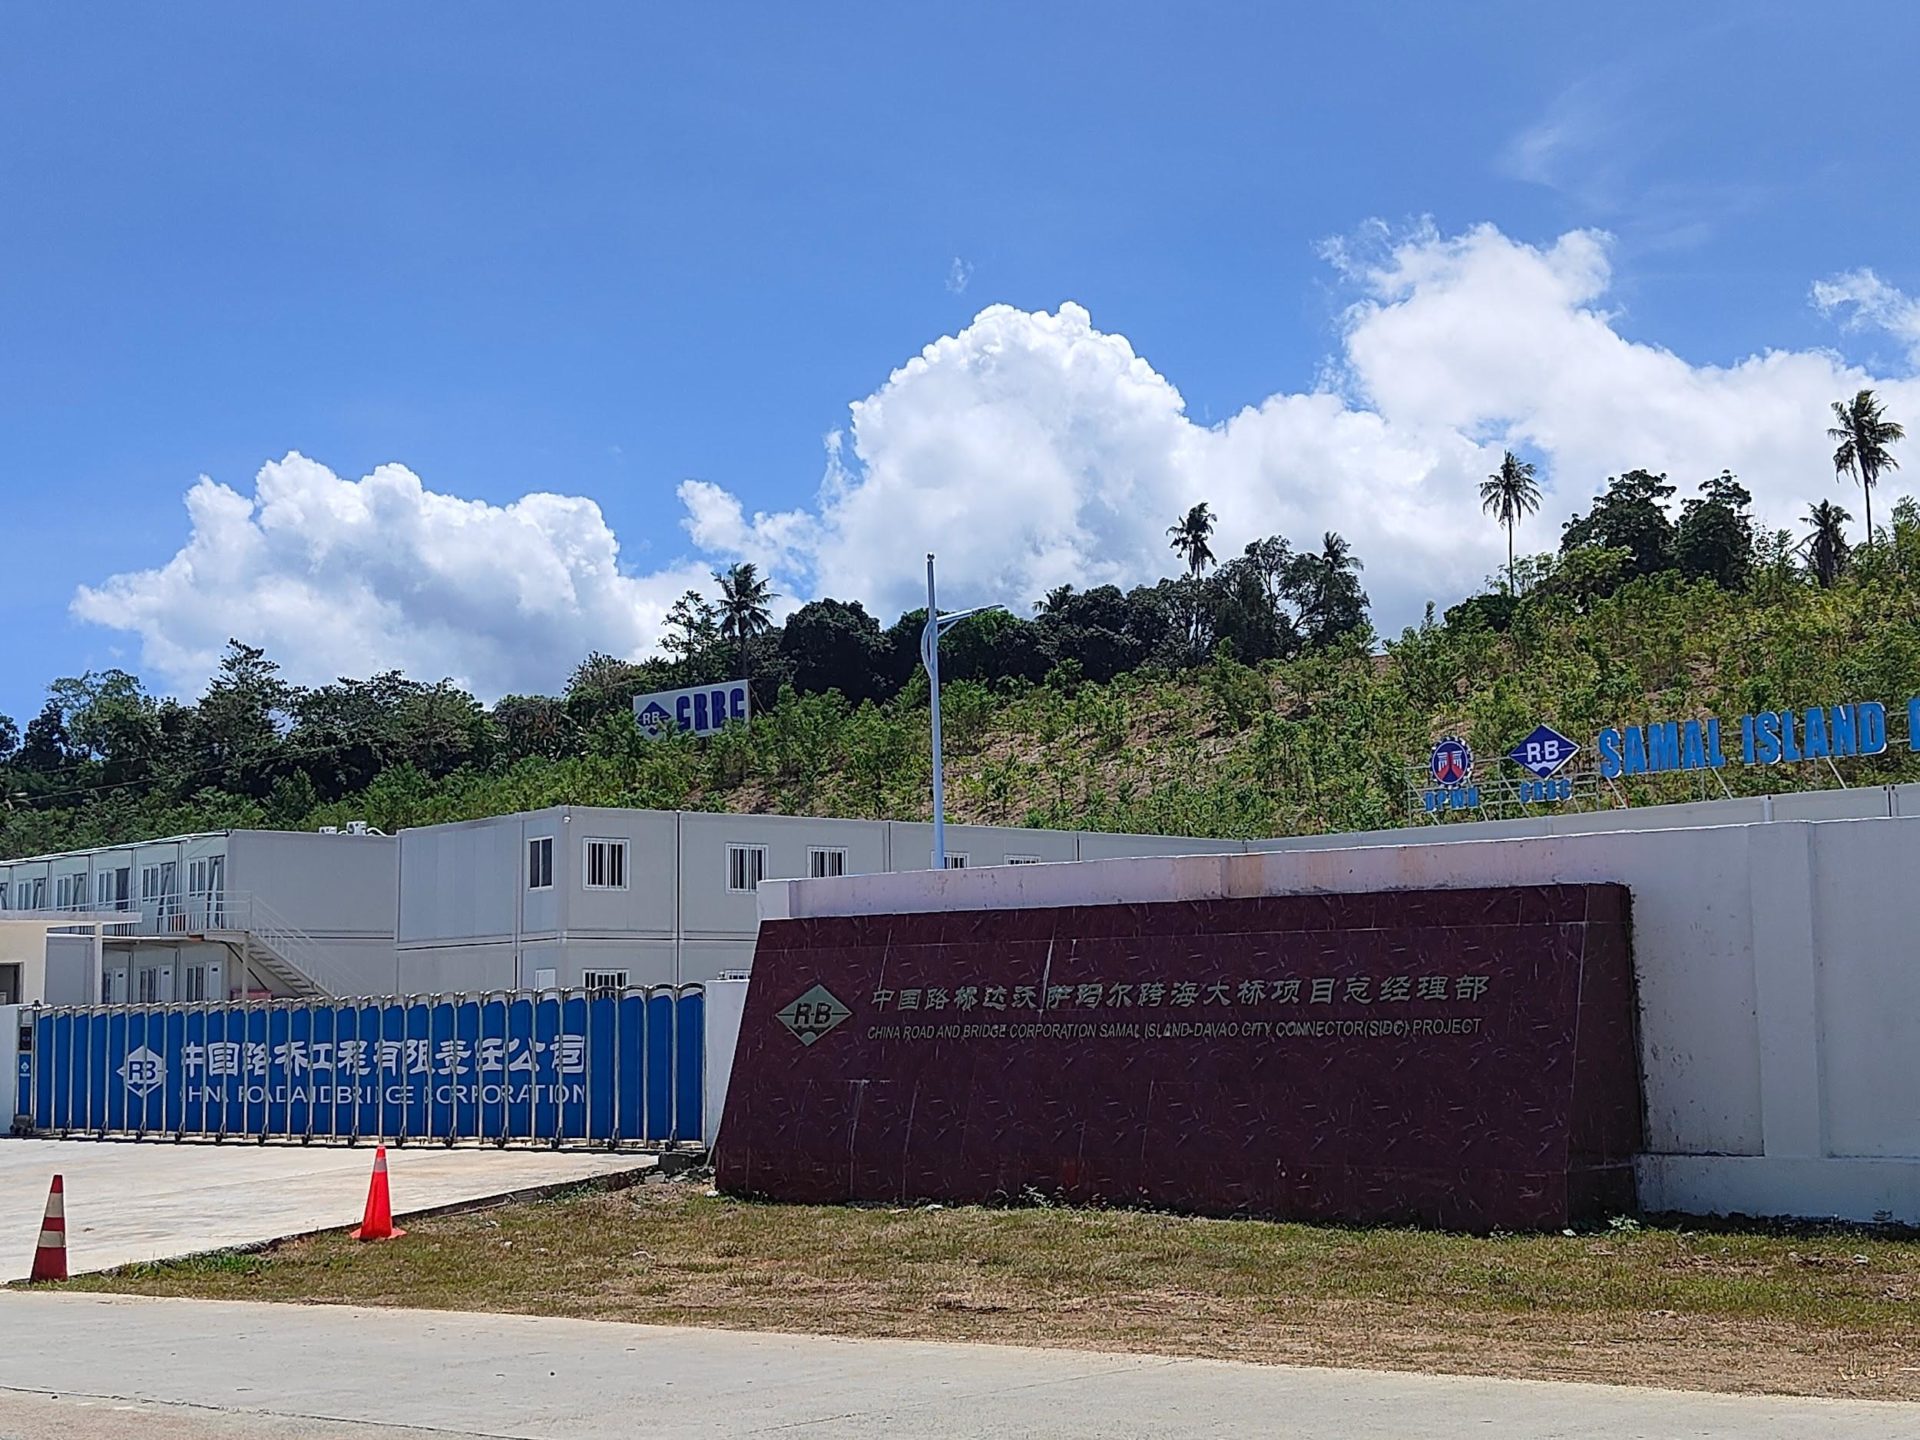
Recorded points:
(547, 1066)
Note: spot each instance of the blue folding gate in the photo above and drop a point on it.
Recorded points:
(558, 1067)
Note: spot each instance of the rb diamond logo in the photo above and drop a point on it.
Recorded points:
(144, 1071)
(1543, 752)
(654, 721)
(813, 1014)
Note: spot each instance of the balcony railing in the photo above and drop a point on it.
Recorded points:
(167, 915)
(277, 943)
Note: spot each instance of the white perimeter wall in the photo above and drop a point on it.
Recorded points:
(1778, 969)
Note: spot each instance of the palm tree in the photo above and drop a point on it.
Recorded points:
(1507, 494)
(1864, 433)
(1827, 543)
(1326, 589)
(744, 598)
(1190, 538)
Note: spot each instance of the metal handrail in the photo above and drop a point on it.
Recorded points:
(288, 944)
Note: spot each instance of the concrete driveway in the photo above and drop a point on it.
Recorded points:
(114, 1366)
(148, 1200)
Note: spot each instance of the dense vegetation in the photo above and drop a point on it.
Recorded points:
(1248, 697)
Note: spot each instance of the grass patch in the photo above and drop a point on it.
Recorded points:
(1810, 1310)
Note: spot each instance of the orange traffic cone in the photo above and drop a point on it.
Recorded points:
(50, 1255)
(377, 1223)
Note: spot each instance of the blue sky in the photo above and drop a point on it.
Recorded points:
(604, 250)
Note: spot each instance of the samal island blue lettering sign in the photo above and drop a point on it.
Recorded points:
(1766, 737)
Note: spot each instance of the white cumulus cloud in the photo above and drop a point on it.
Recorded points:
(345, 577)
(1863, 299)
(1034, 449)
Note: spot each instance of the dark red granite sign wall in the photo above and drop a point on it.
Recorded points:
(1462, 1058)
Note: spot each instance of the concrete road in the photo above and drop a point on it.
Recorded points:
(148, 1200)
(105, 1367)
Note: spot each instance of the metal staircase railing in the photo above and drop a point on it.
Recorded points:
(272, 944)
(279, 947)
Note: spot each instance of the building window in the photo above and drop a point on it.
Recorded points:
(824, 864)
(956, 861)
(196, 982)
(604, 982)
(157, 889)
(540, 863)
(746, 867)
(606, 867)
(38, 899)
(150, 986)
(1023, 859)
(3, 894)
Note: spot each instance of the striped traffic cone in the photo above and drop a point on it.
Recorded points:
(50, 1255)
(377, 1222)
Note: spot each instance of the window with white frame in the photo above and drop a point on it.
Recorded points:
(956, 861)
(746, 867)
(1023, 859)
(150, 985)
(824, 862)
(110, 888)
(195, 983)
(606, 865)
(3, 894)
(604, 982)
(36, 899)
(540, 863)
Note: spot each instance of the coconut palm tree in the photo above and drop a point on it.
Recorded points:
(1325, 588)
(1190, 538)
(1826, 543)
(744, 598)
(1864, 433)
(1507, 494)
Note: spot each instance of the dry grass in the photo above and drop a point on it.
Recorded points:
(1809, 1311)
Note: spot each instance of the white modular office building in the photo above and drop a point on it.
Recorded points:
(580, 895)
(207, 916)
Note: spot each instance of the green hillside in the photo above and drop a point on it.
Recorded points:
(1106, 711)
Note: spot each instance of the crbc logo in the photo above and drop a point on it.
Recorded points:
(813, 1014)
(143, 1070)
